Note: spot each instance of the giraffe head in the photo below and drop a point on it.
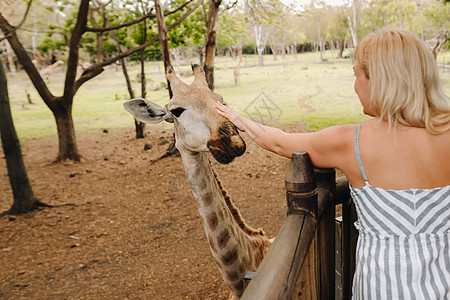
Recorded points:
(192, 109)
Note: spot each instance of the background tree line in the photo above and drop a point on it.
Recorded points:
(249, 25)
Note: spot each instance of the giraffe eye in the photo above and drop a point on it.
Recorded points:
(177, 111)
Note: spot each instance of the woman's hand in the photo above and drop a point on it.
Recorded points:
(231, 115)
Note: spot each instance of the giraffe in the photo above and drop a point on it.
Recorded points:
(235, 246)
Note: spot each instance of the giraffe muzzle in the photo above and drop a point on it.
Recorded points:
(227, 145)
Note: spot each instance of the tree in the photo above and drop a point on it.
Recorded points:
(139, 126)
(142, 7)
(61, 106)
(352, 22)
(317, 21)
(99, 8)
(194, 34)
(338, 29)
(24, 199)
(232, 32)
(210, 47)
(210, 44)
(436, 26)
(261, 13)
(385, 13)
(163, 39)
(189, 35)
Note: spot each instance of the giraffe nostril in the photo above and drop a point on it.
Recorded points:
(226, 148)
(237, 145)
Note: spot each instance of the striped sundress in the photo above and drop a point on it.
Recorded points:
(403, 247)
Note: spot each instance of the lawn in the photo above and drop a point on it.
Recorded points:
(283, 92)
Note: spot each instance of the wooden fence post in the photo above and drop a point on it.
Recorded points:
(326, 183)
(349, 240)
(300, 262)
(301, 194)
(300, 183)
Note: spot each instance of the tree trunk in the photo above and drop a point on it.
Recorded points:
(352, 25)
(210, 48)
(139, 126)
(273, 47)
(142, 75)
(239, 51)
(199, 51)
(261, 40)
(99, 47)
(100, 9)
(127, 78)
(24, 199)
(11, 65)
(176, 55)
(340, 48)
(164, 40)
(68, 149)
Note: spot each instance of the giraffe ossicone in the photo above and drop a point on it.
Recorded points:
(235, 246)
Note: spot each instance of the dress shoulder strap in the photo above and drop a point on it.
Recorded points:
(357, 152)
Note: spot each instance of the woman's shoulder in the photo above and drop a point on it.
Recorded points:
(333, 146)
(339, 130)
(336, 136)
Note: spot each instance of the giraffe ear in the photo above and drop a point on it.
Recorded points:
(147, 111)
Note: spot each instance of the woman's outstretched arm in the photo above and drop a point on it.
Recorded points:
(324, 147)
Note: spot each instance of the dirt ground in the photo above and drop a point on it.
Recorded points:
(126, 227)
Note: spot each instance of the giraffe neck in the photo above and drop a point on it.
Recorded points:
(236, 247)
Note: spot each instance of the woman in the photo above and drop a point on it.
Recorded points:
(397, 163)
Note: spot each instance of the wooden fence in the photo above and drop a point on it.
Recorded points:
(301, 262)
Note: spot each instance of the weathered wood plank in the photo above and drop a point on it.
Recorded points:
(277, 275)
(349, 240)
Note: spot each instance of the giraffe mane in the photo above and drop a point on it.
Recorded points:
(235, 212)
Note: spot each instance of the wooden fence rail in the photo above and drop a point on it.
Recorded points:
(301, 262)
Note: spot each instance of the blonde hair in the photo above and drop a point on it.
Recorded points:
(404, 82)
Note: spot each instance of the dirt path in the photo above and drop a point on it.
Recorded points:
(302, 102)
(134, 232)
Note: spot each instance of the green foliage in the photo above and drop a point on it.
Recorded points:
(88, 43)
(192, 31)
(109, 48)
(437, 18)
(50, 43)
(339, 27)
(232, 29)
(386, 13)
(300, 26)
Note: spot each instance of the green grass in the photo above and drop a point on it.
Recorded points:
(325, 87)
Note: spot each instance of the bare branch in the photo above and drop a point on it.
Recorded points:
(21, 22)
(66, 38)
(25, 15)
(26, 62)
(179, 8)
(87, 75)
(143, 46)
(183, 17)
(229, 6)
(74, 45)
(138, 20)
